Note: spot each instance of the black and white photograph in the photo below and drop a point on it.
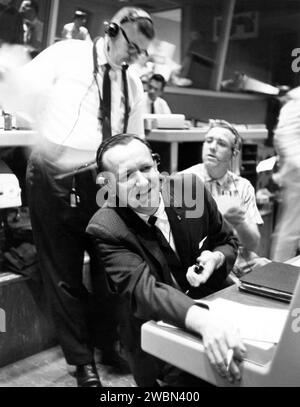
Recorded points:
(149, 195)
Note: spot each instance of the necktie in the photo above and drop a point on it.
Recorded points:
(125, 88)
(106, 104)
(152, 108)
(173, 261)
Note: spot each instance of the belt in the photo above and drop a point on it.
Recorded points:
(66, 160)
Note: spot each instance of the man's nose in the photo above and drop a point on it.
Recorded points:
(141, 179)
(213, 145)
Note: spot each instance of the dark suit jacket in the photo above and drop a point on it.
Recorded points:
(136, 267)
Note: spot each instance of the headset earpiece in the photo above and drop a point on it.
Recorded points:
(236, 148)
(111, 29)
(156, 158)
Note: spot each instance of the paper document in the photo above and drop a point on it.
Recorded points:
(266, 165)
(226, 202)
(255, 323)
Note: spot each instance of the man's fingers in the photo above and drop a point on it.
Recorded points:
(239, 348)
(215, 360)
(203, 277)
(191, 277)
(234, 370)
(196, 279)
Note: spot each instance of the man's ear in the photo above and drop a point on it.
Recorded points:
(156, 158)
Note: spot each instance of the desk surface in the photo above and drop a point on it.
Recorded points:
(197, 134)
(11, 138)
(186, 350)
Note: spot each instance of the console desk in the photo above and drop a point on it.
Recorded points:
(280, 366)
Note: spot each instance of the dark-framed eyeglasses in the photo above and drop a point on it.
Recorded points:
(133, 46)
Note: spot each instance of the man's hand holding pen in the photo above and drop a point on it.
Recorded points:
(221, 339)
(223, 346)
(205, 265)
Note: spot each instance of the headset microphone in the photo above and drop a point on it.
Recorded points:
(111, 29)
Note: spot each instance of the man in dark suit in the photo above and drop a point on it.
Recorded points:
(148, 270)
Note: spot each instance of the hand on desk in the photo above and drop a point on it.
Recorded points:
(219, 336)
(258, 261)
(209, 262)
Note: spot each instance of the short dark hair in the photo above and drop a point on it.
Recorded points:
(159, 78)
(138, 15)
(80, 14)
(118, 139)
(145, 26)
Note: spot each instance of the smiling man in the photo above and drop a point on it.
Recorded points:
(147, 242)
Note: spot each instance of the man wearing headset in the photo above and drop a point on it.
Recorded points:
(234, 194)
(78, 93)
(148, 233)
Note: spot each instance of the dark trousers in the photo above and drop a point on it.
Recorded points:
(81, 319)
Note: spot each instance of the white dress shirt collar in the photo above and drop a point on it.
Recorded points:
(160, 212)
(102, 53)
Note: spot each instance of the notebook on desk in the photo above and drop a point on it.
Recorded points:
(275, 280)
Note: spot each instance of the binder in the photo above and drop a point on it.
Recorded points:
(275, 280)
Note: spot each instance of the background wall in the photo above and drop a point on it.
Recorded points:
(266, 57)
(170, 31)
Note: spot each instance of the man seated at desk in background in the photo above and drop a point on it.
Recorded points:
(148, 236)
(153, 103)
(234, 195)
(76, 29)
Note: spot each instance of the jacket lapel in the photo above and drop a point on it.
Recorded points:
(145, 236)
(178, 223)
